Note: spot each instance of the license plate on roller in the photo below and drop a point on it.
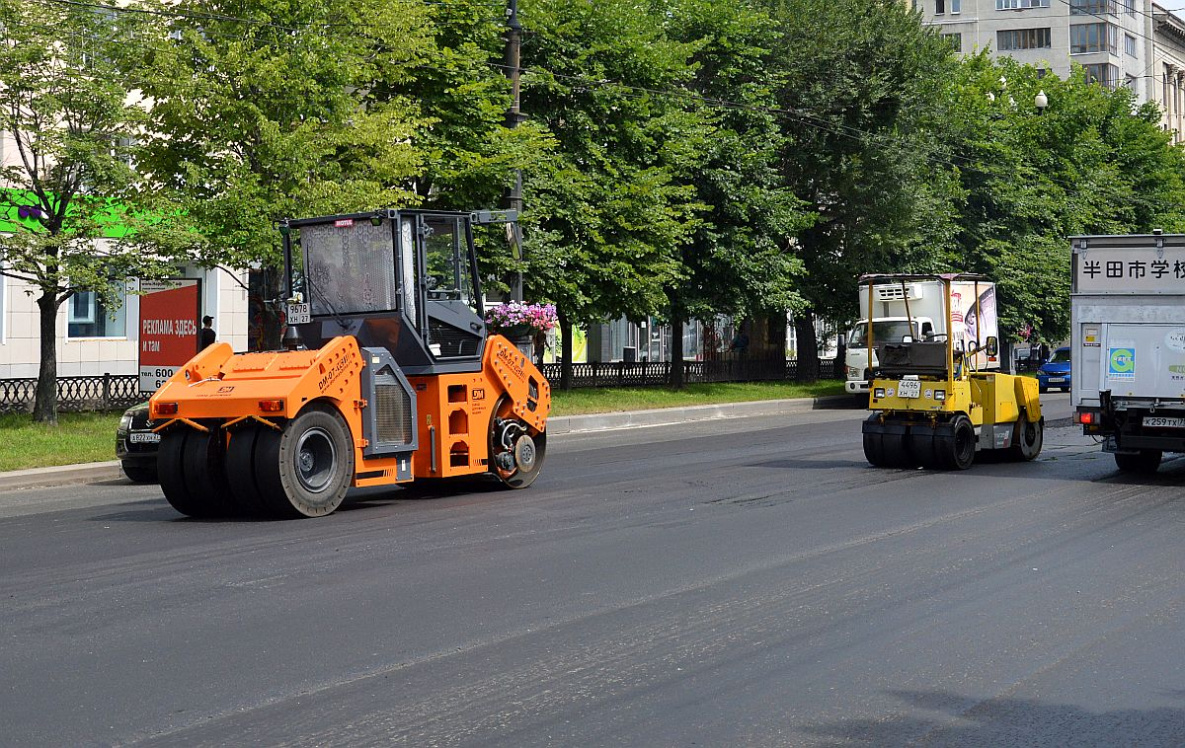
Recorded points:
(1159, 422)
(909, 388)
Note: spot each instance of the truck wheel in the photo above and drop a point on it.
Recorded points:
(960, 450)
(1027, 438)
(1145, 461)
(139, 473)
(307, 471)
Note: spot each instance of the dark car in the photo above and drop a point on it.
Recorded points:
(1055, 372)
(136, 445)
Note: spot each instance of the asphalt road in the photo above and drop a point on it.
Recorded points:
(744, 582)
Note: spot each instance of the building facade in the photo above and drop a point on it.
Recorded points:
(1131, 43)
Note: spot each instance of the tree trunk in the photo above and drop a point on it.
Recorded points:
(565, 351)
(677, 380)
(808, 348)
(45, 407)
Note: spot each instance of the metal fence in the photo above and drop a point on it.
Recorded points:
(656, 373)
(119, 391)
(103, 392)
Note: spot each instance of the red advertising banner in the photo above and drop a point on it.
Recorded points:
(169, 313)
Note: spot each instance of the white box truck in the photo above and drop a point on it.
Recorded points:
(916, 309)
(1127, 317)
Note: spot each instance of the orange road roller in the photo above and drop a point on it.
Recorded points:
(388, 376)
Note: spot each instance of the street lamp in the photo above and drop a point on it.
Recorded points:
(1041, 101)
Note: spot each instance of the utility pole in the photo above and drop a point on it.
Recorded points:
(514, 200)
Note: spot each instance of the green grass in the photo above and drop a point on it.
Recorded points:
(78, 437)
(584, 401)
(90, 437)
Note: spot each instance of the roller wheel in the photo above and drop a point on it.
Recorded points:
(895, 448)
(923, 448)
(874, 450)
(240, 467)
(1145, 461)
(516, 454)
(1027, 438)
(960, 451)
(192, 476)
(308, 469)
(139, 473)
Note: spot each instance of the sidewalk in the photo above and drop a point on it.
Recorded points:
(100, 472)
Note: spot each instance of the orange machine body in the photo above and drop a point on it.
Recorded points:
(218, 389)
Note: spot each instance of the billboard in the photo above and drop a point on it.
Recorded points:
(169, 313)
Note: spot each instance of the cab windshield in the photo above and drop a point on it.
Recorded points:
(887, 331)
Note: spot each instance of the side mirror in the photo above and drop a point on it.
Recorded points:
(906, 338)
(993, 346)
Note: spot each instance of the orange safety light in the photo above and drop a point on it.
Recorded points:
(166, 409)
(271, 406)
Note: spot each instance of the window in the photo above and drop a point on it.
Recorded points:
(1023, 39)
(1093, 37)
(956, 7)
(89, 317)
(939, 7)
(955, 41)
(1094, 7)
(1021, 4)
(1129, 45)
(1102, 73)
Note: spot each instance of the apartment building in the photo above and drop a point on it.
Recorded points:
(1133, 43)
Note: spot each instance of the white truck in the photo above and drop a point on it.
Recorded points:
(1127, 317)
(916, 309)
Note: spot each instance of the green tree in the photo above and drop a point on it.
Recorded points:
(606, 210)
(1090, 163)
(850, 72)
(740, 260)
(263, 110)
(70, 201)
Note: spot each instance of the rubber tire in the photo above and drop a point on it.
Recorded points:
(1146, 462)
(519, 478)
(896, 451)
(924, 451)
(277, 472)
(240, 468)
(139, 473)
(962, 447)
(874, 450)
(192, 476)
(1027, 449)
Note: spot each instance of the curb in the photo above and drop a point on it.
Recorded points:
(670, 416)
(66, 475)
(63, 475)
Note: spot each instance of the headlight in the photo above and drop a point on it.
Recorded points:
(940, 395)
(853, 372)
(125, 422)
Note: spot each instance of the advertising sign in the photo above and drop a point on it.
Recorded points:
(169, 313)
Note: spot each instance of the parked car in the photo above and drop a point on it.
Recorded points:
(1056, 371)
(136, 445)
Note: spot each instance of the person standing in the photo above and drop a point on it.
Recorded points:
(207, 333)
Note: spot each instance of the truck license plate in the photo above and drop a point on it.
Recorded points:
(144, 437)
(299, 314)
(909, 388)
(1159, 422)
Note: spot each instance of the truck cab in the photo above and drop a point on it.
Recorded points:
(884, 330)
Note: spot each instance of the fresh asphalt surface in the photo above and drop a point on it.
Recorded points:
(740, 582)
